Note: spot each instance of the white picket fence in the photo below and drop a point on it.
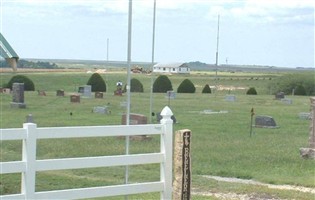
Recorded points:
(29, 165)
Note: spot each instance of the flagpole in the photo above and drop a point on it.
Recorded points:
(128, 85)
(217, 57)
(152, 61)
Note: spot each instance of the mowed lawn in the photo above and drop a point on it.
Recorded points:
(221, 143)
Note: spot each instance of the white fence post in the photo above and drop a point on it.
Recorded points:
(167, 149)
(29, 157)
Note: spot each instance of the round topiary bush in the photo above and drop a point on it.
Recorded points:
(135, 86)
(186, 86)
(28, 83)
(162, 84)
(251, 91)
(97, 83)
(206, 89)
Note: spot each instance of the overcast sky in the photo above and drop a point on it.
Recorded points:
(260, 32)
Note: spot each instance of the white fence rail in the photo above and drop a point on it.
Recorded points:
(28, 166)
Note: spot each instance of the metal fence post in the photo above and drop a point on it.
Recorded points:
(29, 157)
(167, 149)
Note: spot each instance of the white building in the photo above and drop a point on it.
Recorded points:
(175, 68)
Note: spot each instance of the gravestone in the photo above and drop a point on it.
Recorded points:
(99, 95)
(134, 119)
(279, 95)
(214, 112)
(75, 98)
(182, 165)
(123, 104)
(305, 115)
(310, 151)
(170, 94)
(263, 121)
(101, 110)
(18, 96)
(230, 98)
(286, 101)
(86, 91)
(60, 93)
(29, 118)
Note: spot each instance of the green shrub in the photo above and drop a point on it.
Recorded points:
(162, 84)
(97, 83)
(135, 86)
(186, 86)
(251, 91)
(206, 89)
(300, 90)
(288, 82)
(28, 83)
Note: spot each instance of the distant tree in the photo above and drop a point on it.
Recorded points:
(186, 86)
(300, 90)
(206, 89)
(162, 84)
(296, 81)
(97, 83)
(28, 83)
(251, 91)
(135, 86)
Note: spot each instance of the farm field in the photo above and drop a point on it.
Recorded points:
(221, 143)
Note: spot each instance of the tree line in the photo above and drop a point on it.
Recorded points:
(30, 64)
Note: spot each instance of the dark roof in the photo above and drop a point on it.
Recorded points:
(6, 51)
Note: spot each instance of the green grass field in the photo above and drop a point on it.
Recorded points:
(221, 143)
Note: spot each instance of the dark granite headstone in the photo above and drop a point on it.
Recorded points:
(60, 93)
(18, 96)
(279, 95)
(263, 121)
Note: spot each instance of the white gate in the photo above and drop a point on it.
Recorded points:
(28, 166)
